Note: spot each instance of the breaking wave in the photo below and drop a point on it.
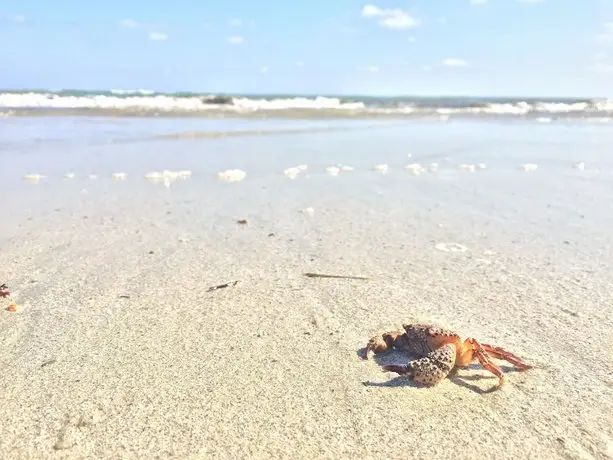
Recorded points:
(150, 102)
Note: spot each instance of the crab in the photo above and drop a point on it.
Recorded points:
(440, 351)
(4, 290)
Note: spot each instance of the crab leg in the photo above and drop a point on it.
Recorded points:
(386, 342)
(500, 353)
(484, 360)
(430, 369)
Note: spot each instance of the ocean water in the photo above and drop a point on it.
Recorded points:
(152, 103)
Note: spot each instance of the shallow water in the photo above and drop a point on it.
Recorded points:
(523, 211)
(556, 198)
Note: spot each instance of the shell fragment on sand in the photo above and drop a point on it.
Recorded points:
(580, 166)
(295, 171)
(153, 176)
(308, 211)
(332, 171)
(291, 173)
(382, 169)
(450, 247)
(34, 178)
(414, 168)
(231, 175)
(167, 177)
(528, 167)
(120, 176)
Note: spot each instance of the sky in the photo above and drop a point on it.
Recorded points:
(529, 48)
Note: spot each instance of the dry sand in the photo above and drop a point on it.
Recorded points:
(269, 367)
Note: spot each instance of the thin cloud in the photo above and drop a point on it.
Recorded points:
(602, 63)
(158, 36)
(390, 18)
(371, 69)
(299, 64)
(454, 62)
(236, 40)
(129, 24)
(478, 2)
(235, 22)
(607, 34)
(601, 68)
(264, 69)
(17, 18)
(530, 1)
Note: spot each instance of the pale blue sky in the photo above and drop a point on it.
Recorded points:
(413, 47)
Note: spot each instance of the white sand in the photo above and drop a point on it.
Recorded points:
(269, 368)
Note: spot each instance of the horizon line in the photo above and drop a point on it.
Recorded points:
(299, 94)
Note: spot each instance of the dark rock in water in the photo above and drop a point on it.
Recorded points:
(218, 100)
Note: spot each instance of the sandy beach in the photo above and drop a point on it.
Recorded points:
(118, 349)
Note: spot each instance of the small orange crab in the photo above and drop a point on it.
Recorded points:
(440, 351)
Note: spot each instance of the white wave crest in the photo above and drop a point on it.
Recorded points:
(142, 92)
(147, 101)
(165, 102)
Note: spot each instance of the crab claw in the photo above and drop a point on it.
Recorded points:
(367, 351)
(377, 344)
(401, 369)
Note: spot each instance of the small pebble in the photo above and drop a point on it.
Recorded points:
(62, 444)
(308, 211)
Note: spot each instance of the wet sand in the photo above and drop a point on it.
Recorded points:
(118, 349)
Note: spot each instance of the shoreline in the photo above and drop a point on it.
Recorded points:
(307, 114)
